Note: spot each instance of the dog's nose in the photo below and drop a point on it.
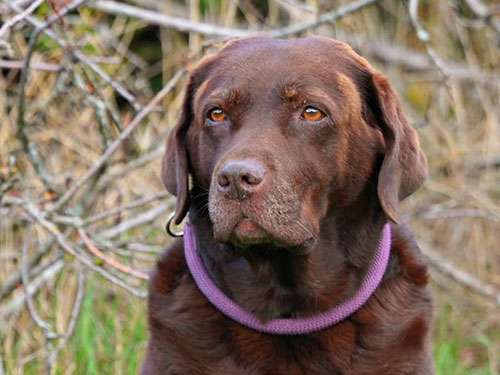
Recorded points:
(239, 178)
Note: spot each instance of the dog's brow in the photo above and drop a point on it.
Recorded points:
(230, 96)
(297, 92)
(288, 91)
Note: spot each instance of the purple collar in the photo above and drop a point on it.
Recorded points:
(299, 326)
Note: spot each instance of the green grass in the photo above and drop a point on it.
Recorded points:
(456, 350)
(111, 336)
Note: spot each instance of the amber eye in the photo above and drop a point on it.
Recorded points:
(312, 114)
(216, 115)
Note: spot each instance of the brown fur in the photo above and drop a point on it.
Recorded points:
(328, 189)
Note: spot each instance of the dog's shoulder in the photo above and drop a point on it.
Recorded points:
(169, 268)
(403, 290)
(407, 260)
(397, 318)
(185, 328)
(175, 302)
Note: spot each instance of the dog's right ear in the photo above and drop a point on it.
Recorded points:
(175, 165)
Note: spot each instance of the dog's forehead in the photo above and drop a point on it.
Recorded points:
(266, 59)
(310, 49)
(262, 66)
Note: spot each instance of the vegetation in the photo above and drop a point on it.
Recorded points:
(88, 93)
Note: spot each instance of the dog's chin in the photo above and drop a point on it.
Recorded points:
(249, 234)
(257, 223)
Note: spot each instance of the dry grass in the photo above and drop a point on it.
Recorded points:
(72, 115)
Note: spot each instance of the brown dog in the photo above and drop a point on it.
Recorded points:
(299, 153)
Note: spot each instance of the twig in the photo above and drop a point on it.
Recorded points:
(414, 61)
(424, 37)
(332, 16)
(82, 277)
(19, 17)
(295, 7)
(135, 247)
(16, 278)
(73, 319)
(2, 369)
(100, 109)
(84, 59)
(17, 302)
(48, 67)
(9, 64)
(460, 276)
(160, 19)
(186, 25)
(51, 228)
(7, 185)
(483, 11)
(141, 219)
(124, 135)
(458, 213)
(112, 262)
(28, 147)
(106, 78)
(148, 157)
(46, 328)
(118, 210)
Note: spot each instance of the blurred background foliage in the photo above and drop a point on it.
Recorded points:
(88, 77)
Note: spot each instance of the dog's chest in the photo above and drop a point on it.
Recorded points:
(216, 344)
(388, 335)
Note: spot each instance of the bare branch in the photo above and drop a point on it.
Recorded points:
(332, 16)
(148, 157)
(2, 369)
(17, 302)
(460, 276)
(75, 312)
(390, 53)
(46, 328)
(16, 278)
(29, 148)
(124, 135)
(208, 29)
(73, 319)
(9, 64)
(112, 262)
(164, 20)
(84, 59)
(141, 219)
(483, 11)
(119, 210)
(39, 217)
(19, 17)
(424, 37)
(458, 213)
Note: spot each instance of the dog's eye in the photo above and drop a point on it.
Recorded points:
(312, 114)
(216, 115)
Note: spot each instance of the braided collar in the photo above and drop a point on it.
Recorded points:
(296, 326)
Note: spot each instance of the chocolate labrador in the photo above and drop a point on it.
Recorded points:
(294, 260)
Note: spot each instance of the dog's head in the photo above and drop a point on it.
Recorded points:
(282, 133)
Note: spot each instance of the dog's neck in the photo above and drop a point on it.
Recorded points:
(279, 283)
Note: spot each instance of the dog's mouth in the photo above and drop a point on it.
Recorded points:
(247, 233)
(250, 228)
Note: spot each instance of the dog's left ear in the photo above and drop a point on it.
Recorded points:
(175, 165)
(404, 167)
